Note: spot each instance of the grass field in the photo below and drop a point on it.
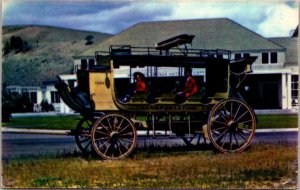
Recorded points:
(70, 122)
(264, 166)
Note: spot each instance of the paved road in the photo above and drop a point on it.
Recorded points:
(24, 145)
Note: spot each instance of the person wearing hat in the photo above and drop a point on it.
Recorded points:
(138, 87)
(190, 87)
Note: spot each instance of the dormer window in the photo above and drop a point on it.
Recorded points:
(265, 58)
(269, 58)
(274, 57)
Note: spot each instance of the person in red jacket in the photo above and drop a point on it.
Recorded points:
(140, 84)
(190, 87)
(138, 87)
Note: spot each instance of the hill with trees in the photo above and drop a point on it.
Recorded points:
(34, 54)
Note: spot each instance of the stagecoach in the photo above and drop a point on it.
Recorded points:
(216, 114)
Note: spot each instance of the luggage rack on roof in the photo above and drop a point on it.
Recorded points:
(127, 50)
(169, 47)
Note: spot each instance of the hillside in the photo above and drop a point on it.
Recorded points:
(51, 53)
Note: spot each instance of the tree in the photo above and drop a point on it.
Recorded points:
(89, 39)
(17, 44)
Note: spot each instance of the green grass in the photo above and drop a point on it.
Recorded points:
(47, 122)
(261, 166)
(70, 122)
(277, 121)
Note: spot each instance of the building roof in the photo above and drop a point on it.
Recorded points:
(291, 44)
(218, 33)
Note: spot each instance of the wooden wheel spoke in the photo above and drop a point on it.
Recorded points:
(108, 121)
(241, 135)
(101, 138)
(237, 112)
(236, 140)
(224, 108)
(128, 133)
(221, 135)
(231, 109)
(100, 132)
(126, 140)
(124, 128)
(243, 122)
(107, 148)
(123, 144)
(221, 115)
(100, 146)
(243, 129)
(215, 121)
(119, 126)
(102, 125)
(84, 140)
(236, 121)
(217, 129)
(224, 140)
(87, 145)
(119, 148)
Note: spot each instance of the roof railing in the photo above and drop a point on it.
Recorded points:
(127, 50)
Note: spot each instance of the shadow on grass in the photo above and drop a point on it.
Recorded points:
(144, 151)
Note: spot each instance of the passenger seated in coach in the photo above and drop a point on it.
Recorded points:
(190, 87)
(138, 87)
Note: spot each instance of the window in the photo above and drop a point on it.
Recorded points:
(33, 97)
(246, 55)
(294, 90)
(76, 68)
(269, 58)
(238, 56)
(55, 97)
(265, 58)
(84, 65)
(91, 63)
(274, 57)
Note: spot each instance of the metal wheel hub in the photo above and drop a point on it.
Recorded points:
(114, 136)
(232, 126)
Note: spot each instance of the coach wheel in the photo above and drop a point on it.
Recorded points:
(195, 140)
(231, 125)
(83, 135)
(113, 136)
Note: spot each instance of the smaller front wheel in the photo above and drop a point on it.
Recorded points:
(113, 136)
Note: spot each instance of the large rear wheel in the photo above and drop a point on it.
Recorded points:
(113, 136)
(231, 125)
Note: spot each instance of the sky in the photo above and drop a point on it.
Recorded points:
(269, 18)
